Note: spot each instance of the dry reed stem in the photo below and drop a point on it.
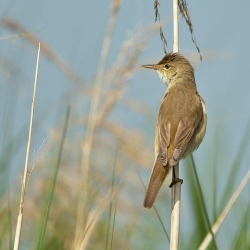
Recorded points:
(91, 127)
(176, 189)
(175, 26)
(175, 214)
(205, 243)
(20, 216)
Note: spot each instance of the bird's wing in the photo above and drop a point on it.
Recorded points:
(164, 142)
(185, 130)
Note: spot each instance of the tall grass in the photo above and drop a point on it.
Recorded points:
(112, 213)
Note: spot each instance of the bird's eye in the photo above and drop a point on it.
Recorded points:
(167, 66)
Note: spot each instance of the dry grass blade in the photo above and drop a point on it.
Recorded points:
(157, 16)
(111, 202)
(45, 49)
(92, 221)
(185, 13)
(3, 38)
(224, 213)
(20, 216)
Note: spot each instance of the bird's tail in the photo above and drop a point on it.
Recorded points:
(157, 177)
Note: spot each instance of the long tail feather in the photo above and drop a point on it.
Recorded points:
(157, 177)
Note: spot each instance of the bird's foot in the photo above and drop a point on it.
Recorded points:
(174, 181)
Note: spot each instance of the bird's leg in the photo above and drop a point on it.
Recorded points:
(174, 179)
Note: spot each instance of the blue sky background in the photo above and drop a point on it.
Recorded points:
(75, 31)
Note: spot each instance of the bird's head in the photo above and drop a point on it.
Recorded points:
(172, 66)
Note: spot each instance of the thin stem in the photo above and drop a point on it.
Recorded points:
(20, 216)
(176, 26)
(113, 228)
(176, 189)
(111, 202)
(175, 214)
(92, 124)
(53, 183)
(155, 209)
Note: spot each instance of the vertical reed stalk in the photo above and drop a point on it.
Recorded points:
(20, 216)
(176, 189)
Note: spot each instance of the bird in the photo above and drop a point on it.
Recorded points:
(182, 120)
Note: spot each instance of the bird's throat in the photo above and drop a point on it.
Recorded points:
(166, 79)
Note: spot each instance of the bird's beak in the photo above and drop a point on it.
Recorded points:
(150, 66)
